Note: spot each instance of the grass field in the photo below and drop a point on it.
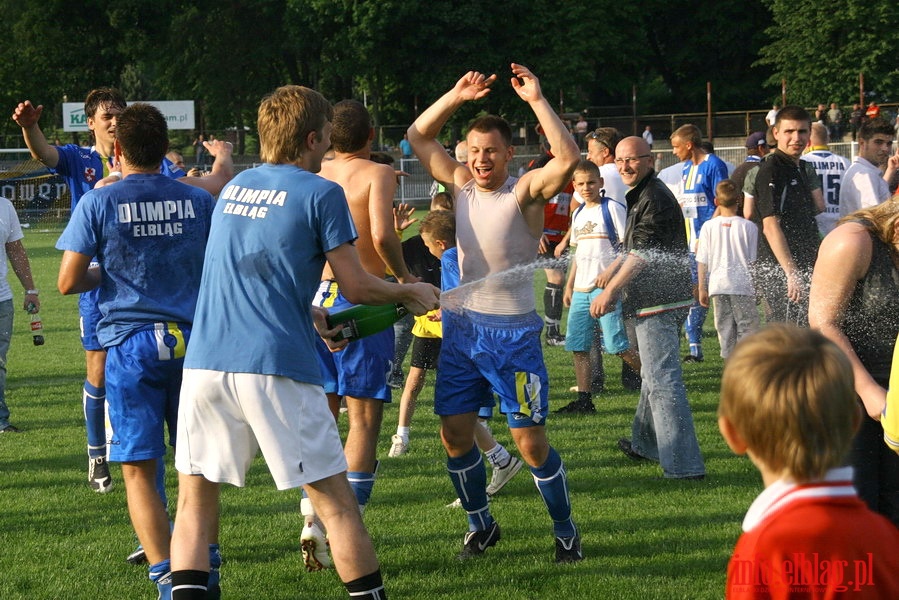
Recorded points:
(642, 537)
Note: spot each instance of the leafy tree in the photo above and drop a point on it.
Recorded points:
(820, 46)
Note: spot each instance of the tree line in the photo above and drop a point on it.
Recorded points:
(399, 55)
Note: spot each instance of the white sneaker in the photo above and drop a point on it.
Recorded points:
(314, 545)
(457, 503)
(398, 446)
(501, 476)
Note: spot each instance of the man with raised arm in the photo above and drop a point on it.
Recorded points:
(83, 168)
(494, 343)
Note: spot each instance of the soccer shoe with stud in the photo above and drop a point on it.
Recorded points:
(98, 476)
(476, 542)
(568, 549)
(10, 429)
(138, 557)
(398, 447)
(555, 340)
(314, 545)
(501, 476)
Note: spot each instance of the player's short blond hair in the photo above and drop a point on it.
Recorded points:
(286, 117)
(789, 393)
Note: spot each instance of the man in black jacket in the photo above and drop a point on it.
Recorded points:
(653, 276)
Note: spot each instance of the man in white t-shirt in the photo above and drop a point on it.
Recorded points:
(830, 168)
(865, 183)
(771, 117)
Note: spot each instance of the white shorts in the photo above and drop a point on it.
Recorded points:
(225, 418)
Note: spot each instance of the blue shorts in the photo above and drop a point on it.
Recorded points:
(579, 334)
(483, 354)
(143, 382)
(360, 370)
(89, 311)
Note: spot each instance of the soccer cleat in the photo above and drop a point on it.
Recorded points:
(138, 557)
(398, 447)
(475, 542)
(457, 503)
(692, 358)
(314, 545)
(579, 407)
(98, 475)
(568, 549)
(555, 340)
(10, 429)
(502, 475)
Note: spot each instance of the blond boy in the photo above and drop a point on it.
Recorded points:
(724, 255)
(788, 402)
(595, 233)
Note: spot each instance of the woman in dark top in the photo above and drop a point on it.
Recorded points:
(855, 302)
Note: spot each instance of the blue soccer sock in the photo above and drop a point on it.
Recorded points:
(469, 477)
(94, 402)
(362, 484)
(161, 575)
(552, 482)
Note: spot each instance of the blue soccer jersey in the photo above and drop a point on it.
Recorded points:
(81, 168)
(697, 198)
(270, 231)
(149, 234)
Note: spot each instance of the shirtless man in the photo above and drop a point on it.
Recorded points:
(359, 373)
(499, 222)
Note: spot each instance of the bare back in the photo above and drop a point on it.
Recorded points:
(369, 189)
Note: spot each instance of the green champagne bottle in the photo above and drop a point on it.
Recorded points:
(363, 320)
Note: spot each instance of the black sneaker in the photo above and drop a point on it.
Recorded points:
(692, 358)
(578, 407)
(625, 446)
(475, 542)
(98, 475)
(10, 429)
(568, 549)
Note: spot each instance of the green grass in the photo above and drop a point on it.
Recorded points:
(642, 537)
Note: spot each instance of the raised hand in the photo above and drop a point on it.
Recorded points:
(26, 114)
(525, 83)
(474, 85)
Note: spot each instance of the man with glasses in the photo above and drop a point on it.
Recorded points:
(866, 182)
(652, 277)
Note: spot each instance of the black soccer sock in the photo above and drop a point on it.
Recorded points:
(189, 585)
(367, 587)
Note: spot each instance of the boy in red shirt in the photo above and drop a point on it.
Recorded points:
(788, 402)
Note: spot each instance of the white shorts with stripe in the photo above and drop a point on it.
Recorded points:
(225, 418)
